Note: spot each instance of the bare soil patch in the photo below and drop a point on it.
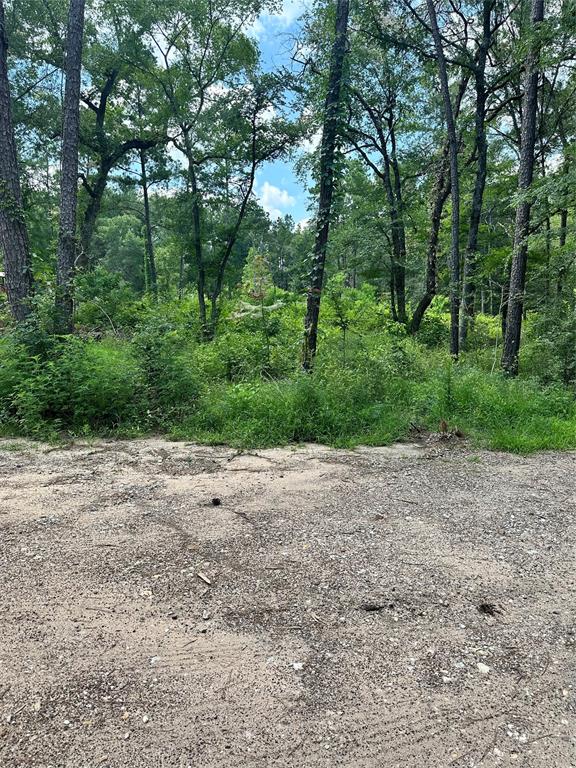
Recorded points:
(403, 606)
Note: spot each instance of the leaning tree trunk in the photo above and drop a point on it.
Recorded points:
(89, 218)
(69, 184)
(13, 233)
(327, 155)
(441, 193)
(525, 176)
(454, 182)
(471, 253)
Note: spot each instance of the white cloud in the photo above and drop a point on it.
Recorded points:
(291, 10)
(266, 23)
(311, 144)
(268, 114)
(274, 200)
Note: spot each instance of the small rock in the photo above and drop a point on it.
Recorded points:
(298, 666)
(145, 718)
(483, 668)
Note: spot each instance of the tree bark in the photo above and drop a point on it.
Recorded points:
(197, 244)
(150, 258)
(400, 227)
(442, 192)
(67, 243)
(88, 224)
(13, 232)
(562, 242)
(471, 252)
(525, 176)
(330, 133)
(393, 310)
(454, 182)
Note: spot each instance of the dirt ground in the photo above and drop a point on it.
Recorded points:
(167, 605)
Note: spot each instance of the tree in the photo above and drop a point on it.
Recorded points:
(481, 148)
(122, 118)
(150, 259)
(330, 135)
(380, 87)
(216, 102)
(525, 177)
(13, 231)
(67, 243)
(454, 181)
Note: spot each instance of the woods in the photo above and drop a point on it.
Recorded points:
(429, 144)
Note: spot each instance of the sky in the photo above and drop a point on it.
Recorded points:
(277, 188)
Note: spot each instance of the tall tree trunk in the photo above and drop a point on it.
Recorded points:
(563, 222)
(401, 270)
(454, 182)
(69, 184)
(151, 260)
(91, 212)
(394, 195)
(562, 243)
(198, 252)
(525, 176)
(471, 252)
(327, 156)
(441, 193)
(13, 233)
(393, 309)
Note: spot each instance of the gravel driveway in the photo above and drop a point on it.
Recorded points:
(165, 605)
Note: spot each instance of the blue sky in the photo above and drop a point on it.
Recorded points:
(277, 188)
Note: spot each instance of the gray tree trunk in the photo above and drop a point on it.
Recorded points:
(327, 156)
(441, 193)
(150, 258)
(13, 233)
(69, 184)
(454, 182)
(471, 253)
(515, 303)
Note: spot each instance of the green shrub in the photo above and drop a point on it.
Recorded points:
(168, 357)
(81, 386)
(245, 388)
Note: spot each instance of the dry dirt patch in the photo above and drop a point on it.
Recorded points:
(403, 606)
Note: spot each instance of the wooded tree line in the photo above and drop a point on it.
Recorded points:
(131, 136)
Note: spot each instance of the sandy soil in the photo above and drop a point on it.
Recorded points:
(409, 606)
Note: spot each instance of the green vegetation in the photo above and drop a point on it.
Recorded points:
(372, 383)
(152, 279)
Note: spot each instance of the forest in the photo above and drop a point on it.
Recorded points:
(153, 282)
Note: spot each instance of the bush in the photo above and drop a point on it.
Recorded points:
(168, 357)
(81, 386)
(245, 388)
(105, 301)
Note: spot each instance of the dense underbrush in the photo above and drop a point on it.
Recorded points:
(142, 368)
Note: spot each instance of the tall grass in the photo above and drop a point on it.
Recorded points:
(247, 390)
